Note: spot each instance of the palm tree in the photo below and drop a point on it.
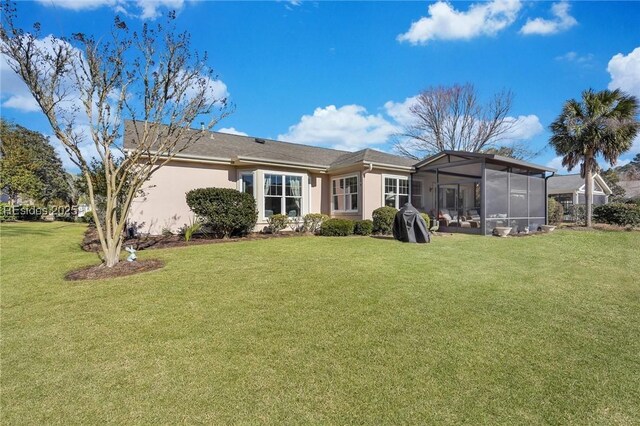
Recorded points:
(602, 123)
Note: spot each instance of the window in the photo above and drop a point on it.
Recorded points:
(344, 193)
(246, 183)
(396, 191)
(416, 194)
(282, 195)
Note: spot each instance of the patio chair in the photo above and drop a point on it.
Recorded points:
(446, 218)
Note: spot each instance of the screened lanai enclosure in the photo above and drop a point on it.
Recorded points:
(475, 193)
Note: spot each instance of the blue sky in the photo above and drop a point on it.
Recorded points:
(342, 74)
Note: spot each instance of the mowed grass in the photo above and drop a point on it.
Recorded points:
(469, 329)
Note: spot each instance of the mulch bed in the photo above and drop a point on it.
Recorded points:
(121, 269)
(91, 242)
(600, 227)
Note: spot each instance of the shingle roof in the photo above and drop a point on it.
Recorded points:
(492, 157)
(631, 188)
(230, 147)
(568, 182)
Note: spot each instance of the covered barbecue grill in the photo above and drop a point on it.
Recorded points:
(409, 226)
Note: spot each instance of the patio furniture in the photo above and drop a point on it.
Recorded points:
(448, 218)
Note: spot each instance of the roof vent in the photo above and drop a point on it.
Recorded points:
(259, 140)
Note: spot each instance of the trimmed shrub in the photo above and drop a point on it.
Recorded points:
(28, 213)
(224, 211)
(617, 214)
(6, 212)
(383, 220)
(312, 222)
(277, 222)
(555, 211)
(87, 218)
(336, 228)
(363, 227)
(427, 220)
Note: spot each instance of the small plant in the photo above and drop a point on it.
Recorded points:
(277, 222)
(167, 232)
(312, 222)
(336, 228)
(189, 230)
(427, 220)
(383, 220)
(363, 227)
(296, 223)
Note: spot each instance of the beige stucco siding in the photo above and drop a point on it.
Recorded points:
(164, 204)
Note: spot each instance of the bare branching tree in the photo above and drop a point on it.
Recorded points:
(87, 88)
(453, 118)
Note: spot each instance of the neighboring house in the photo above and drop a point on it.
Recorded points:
(631, 188)
(296, 179)
(569, 191)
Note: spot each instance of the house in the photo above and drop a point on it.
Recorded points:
(296, 179)
(569, 191)
(631, 188)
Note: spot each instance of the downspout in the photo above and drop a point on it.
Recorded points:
(546, 198)
(368, 168)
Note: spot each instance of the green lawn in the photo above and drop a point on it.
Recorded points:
(470, 329)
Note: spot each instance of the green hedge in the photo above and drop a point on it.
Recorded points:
(617, 214)
(363, 227)
(383, 220)
(336, 228)
(224, 211)
(6, 212)
(555, 211)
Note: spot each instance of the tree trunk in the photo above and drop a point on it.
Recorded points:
(588, 192)
(112, 253)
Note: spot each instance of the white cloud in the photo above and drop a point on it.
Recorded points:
(151, 8)
(524, 127)
(24, 103)
(143, 9)
(625, 72)
(561, 21)
(216, 89)
(446, 23)
(575, 57)
(556, 163)
(232, 131)
(400, 111)
(349, 127)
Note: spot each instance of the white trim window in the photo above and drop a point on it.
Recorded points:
(396, 191)
(344, 194)
(247, 185)
(282, 194)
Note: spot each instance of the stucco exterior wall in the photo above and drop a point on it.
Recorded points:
(164, 204)
(372, 192)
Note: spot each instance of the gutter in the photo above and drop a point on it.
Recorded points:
(190, 158)
(291, 165)
(546, 198)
